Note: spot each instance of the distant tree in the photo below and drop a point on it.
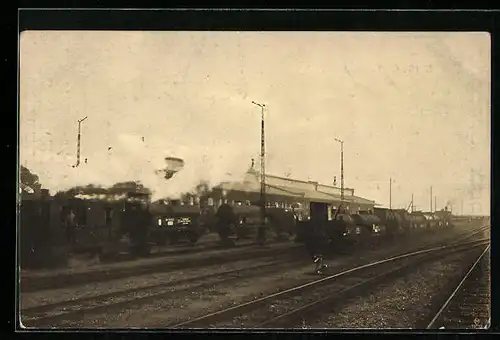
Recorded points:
(30, 179)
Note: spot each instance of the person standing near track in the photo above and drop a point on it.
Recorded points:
(314, 246)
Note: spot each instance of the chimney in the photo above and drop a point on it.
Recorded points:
(315, 185)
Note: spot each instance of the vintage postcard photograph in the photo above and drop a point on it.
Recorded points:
(254, 180)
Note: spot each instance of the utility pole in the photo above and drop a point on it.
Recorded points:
(435, 209)
(390, 193)
(341, 170)
(411, 202)
(431, 200)
(78, 143)
(261, 234)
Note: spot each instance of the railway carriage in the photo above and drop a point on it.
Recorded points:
(82, 224)
(431, 222)
(392, 221)
(418, 221)
(175, 221)
(371, 229)
(41, 239)
(281, 221)
(235, 222)
(405, 220)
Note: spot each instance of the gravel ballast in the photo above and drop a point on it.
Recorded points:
(400, 304)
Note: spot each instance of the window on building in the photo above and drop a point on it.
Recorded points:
(210, 201)
(247, 202)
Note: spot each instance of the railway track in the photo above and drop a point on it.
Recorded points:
(469, 304)
(186, 248)
(291, 307)
(53, 314)
(64, 280)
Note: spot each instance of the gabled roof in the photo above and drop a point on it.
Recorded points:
(251, 184)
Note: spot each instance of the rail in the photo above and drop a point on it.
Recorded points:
(453, 296)
(241, 308)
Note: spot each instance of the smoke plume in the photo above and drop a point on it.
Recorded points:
(135, 158)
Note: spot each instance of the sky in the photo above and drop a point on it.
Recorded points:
(414, 107)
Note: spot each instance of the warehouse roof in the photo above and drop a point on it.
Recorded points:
(309, 194)
(252, 187)
(253, 175)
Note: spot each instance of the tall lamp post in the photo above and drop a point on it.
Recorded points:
(261, 234)
(341, 170)
(390, 193)
(78, 142)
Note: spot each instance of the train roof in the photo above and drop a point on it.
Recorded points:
(241, 209)
(417, 216)
(346, 217)
(160, 208)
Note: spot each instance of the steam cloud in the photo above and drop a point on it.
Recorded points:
(132, 159)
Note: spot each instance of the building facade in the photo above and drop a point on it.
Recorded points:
(285, 193)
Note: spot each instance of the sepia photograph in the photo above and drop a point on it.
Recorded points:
(254, 180)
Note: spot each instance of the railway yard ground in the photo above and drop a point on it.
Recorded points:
(407, 284)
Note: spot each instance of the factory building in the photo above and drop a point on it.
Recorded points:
(285, 192)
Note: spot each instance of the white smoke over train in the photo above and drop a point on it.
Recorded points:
(149, 162)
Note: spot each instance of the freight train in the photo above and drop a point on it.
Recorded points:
(330, 229)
